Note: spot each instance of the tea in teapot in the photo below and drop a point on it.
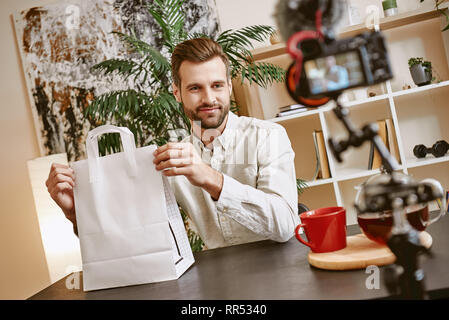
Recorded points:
(377, 225)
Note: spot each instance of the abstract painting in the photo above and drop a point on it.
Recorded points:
(59, 44)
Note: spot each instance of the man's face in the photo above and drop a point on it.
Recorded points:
(330, 61)
(204, 91)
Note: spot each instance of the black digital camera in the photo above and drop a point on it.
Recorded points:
(332, 67)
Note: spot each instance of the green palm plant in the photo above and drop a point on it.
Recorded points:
(301, 185)
(149, 108)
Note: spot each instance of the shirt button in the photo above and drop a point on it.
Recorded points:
(214, 163)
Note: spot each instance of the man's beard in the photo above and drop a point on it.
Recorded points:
(209, 122)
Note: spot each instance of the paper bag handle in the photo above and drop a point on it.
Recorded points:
(129, 148)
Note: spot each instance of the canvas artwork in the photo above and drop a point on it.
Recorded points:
(59, 44)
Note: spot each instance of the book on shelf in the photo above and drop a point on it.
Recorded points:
(292, 109)
(377, 160)
(322, 171)
(447, 201)
(388, 136)
(392, 142)
(317, 154)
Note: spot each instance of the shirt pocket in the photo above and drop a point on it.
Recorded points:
(244, 173)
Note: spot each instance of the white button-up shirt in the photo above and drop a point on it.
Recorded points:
(259, 199)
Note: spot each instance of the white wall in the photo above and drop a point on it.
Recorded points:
(23, 268)
(235, 14)
(61, 245)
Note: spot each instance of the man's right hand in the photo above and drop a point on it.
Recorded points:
(60, 183)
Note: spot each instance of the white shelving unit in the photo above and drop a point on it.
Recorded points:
(420, 115)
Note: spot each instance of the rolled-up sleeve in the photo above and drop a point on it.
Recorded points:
(269, 209)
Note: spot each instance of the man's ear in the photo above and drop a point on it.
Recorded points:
(177, 93)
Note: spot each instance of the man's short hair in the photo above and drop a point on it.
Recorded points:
(196, 50)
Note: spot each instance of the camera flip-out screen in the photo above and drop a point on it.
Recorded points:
(334, 73)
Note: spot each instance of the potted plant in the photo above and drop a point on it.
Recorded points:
(301, 186)
(420, 70)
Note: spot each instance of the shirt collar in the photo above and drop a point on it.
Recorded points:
(225, 138)
(228, 133)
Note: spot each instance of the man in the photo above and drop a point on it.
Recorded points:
(234, 176)
(336, 75)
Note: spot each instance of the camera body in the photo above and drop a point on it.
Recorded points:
(330, 67)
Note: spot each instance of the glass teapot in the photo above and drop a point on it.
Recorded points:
(383, 194)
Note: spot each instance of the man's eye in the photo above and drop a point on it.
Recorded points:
(218, 85)
(193, 88)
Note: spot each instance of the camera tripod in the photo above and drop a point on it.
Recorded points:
(404, 279)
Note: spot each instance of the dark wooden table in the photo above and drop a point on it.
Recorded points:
(269, 270)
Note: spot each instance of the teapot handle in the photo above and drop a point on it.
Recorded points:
(438, 190)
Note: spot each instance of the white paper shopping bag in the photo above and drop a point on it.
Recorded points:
(129, 225)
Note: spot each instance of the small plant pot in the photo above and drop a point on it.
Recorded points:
(420, 75)
(390, 8)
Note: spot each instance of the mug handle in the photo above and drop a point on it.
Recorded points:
(437, 189)
(299, 237)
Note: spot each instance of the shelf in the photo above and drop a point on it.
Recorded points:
(385, 23)
(367, 100)
(353, 173)
(414, 162)
(421, 89)
(296, 115)
(349, 104)
(269, 51)
(419, 114)
(319, 182)
(302, 114)
(398, 20)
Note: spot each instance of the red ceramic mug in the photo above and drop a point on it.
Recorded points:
(325, 229)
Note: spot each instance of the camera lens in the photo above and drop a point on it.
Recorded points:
(311, 47)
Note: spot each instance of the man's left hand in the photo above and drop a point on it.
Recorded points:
(177, 158)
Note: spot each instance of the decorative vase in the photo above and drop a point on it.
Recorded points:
(275, 38)
(390, 7)
(353, 14)
(421, 75)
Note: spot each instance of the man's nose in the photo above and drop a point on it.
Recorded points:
(209, 97)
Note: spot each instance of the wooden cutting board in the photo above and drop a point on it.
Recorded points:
(359, 253)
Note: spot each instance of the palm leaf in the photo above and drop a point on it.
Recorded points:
(236, 45)
(109, 143)
(262, 73)
(242, 37)
(117, 104)
(301, 185)
(171, 19)
(125, 68)
(121, 66)
(258, 33)
(159, 62)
